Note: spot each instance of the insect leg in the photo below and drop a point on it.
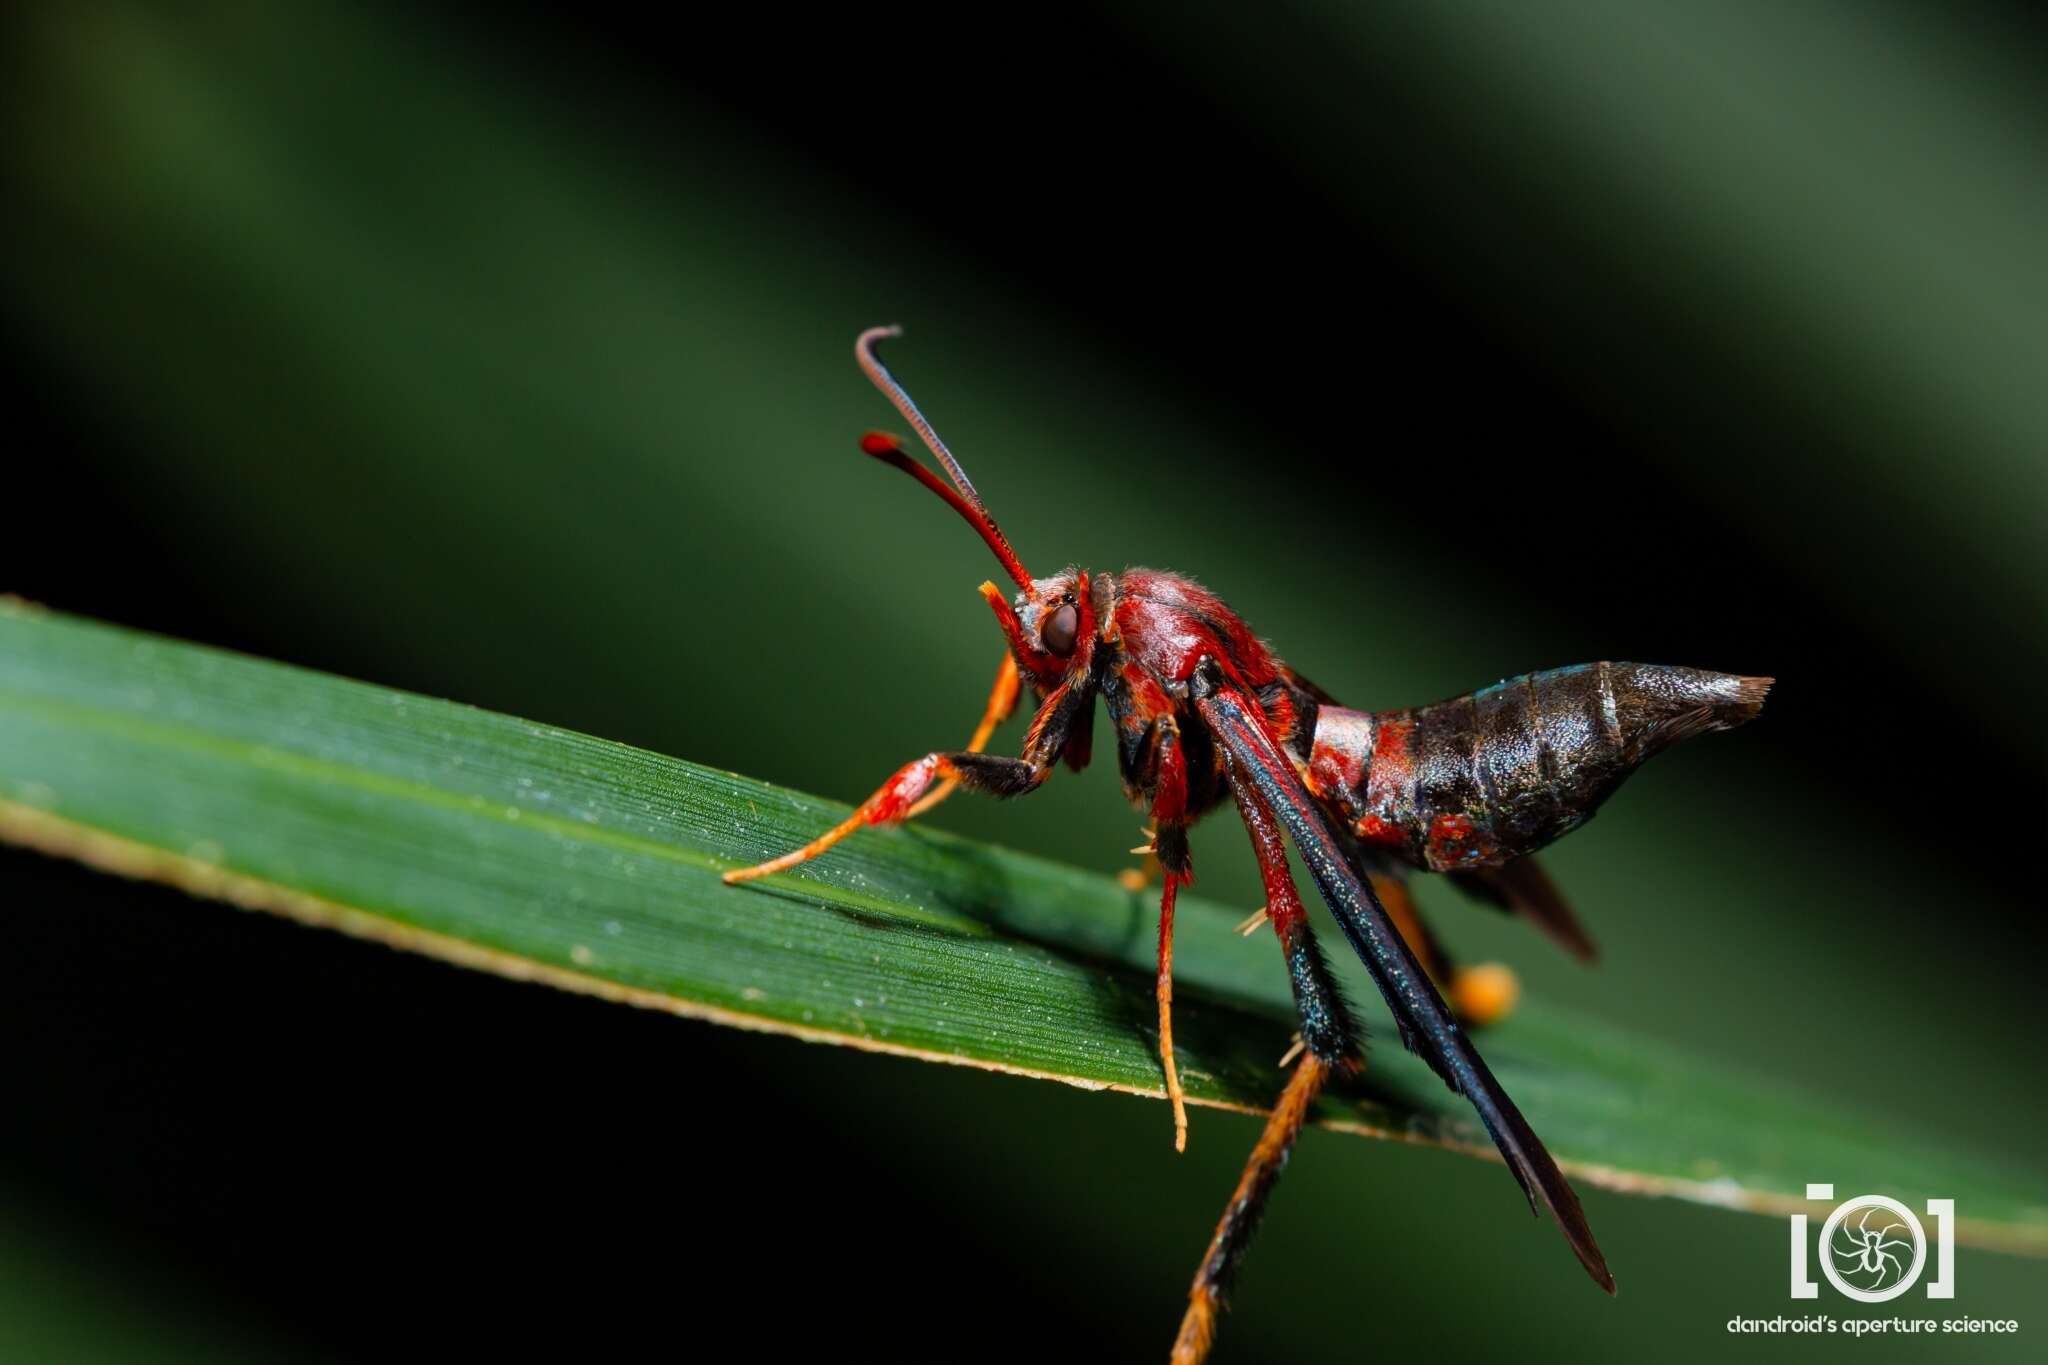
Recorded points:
(1163, 992)
(892, 802)
(1241, 1215)
(1327, 1028)
(1170, 847)
(896, 800)
(1330, 1040)
(1429, 951)
(1002, 701)
(1400, 906)
(1481, 994)
(1427, 1027)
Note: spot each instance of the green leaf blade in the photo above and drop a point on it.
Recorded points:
(547, 855)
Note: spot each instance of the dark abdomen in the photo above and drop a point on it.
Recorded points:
(1482, 779)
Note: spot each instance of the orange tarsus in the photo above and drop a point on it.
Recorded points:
(1002, 701)
(889, 804)
(1164, 992)
(799, 855)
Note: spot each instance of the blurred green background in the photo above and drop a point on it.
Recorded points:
(504, 355)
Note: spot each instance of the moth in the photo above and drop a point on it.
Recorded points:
(1205, 714)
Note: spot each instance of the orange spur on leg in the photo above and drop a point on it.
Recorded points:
(1139, 877)
(895, 801)
(1486, 993)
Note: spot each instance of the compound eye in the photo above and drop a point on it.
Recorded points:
(1059, 630)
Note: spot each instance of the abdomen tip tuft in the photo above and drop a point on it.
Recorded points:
(1748, 699)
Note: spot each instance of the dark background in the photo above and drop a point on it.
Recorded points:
(503, 355)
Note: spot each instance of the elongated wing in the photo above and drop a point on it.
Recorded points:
(1523, 888)
(1427, 1027)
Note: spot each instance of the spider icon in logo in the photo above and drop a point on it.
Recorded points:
(1872, 1248)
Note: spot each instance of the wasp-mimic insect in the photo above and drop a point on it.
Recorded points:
(1205, 713)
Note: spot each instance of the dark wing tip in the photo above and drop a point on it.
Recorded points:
(1536, 1170)
(1571, 1220)
(1562, 1201)
(1523, 888)
(1597, 1268)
